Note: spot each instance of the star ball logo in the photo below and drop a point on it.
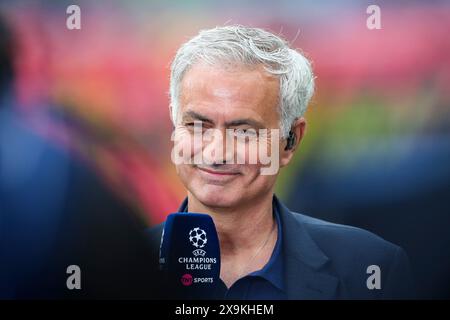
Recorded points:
(197, 237)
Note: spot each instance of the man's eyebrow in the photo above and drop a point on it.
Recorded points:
(247, 121)
(196, 116)
(233, 123)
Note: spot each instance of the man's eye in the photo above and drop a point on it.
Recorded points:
(244, 133)
(193, 124)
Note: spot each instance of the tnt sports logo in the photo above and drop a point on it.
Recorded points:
(186, 279)
(197, 237)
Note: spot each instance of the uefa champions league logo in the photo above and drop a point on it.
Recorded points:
(197, 237)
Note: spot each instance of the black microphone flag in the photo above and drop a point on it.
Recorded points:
(190, 254)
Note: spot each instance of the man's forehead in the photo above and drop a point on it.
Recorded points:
(243, 83)
(235, 94)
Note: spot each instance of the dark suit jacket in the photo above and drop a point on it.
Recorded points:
(323, 260)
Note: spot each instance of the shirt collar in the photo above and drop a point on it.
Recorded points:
(273, 270)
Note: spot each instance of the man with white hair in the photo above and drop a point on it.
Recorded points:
(247, 86)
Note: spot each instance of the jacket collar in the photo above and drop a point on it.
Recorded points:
(305, 262)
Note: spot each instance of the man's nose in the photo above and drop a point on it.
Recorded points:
(216, 151)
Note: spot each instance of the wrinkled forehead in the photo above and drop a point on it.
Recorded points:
(222, 94)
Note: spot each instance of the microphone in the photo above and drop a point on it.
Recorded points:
(189, 255)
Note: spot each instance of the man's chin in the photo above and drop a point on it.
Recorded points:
(215, 199)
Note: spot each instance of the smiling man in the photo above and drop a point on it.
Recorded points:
(248, 87)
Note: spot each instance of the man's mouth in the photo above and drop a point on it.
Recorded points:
(219, 172)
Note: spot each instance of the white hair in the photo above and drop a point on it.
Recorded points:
(249, 46)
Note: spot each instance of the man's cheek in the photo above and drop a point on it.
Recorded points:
(269, 153)
(246, 153)
(182, 147)
(186, 172)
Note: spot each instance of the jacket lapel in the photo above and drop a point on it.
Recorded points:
(305, 277)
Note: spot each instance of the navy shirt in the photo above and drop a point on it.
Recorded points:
(266, 283)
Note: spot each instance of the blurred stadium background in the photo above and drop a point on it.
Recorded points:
(377, 150)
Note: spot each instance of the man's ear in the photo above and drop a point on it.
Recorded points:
(298, 131)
